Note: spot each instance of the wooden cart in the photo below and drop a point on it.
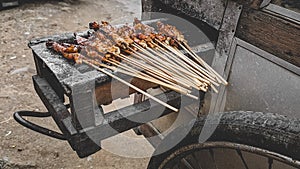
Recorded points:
(255, 46)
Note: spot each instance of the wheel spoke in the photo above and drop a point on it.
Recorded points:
(242, 158)
(270, 161)
(186, 163)
(196, 161)
(213, 157)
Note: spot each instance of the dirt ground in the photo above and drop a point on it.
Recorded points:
(23, 148)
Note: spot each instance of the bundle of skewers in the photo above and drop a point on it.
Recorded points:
(161, 56)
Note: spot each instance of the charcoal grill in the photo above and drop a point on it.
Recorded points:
(228, 26)
(86, 89)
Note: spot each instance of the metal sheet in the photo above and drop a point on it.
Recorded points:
(259, 83)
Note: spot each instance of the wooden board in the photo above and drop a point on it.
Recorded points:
(274, 34)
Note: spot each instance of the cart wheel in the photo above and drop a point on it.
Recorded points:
(241, 140)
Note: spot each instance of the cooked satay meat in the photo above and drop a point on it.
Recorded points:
(108, 29)
(143, 40)
(100, 43)
(117, 38)
(160, 37)
(99, 46)
(104, 46)
(170, 41)
(108, 45)
(92, 53)
(171, 31)
(107, 26)
(94, 25)
(147, 33)
(62, 47)
(142, 28)
(125, 35)
(126, 31)
(68, 52)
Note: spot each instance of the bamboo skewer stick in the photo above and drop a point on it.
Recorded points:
(208, 77)
(190, 52)
(140, 65)
(174, 66)
(179, 90)
(177, 53)
(141, 75)
(166, 65)
(199, 86)
(130, 85)
(133, 72)
(172, 87)
(144, 76)
(151, 59)
(198, 72)
(191, 79)
(152, 69)
(190, 73)
(199, 59)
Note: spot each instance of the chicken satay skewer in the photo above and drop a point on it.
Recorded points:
(174, 32)
(111, 31)
(81, 59)
(101, 46)
(131, 70)
(147, 29)
(102, 36)
(60, 48)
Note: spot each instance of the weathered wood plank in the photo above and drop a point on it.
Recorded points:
(273, 34)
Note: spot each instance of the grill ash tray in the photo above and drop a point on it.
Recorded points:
(85, 124)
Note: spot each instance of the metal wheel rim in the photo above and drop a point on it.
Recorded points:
(238, 147)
